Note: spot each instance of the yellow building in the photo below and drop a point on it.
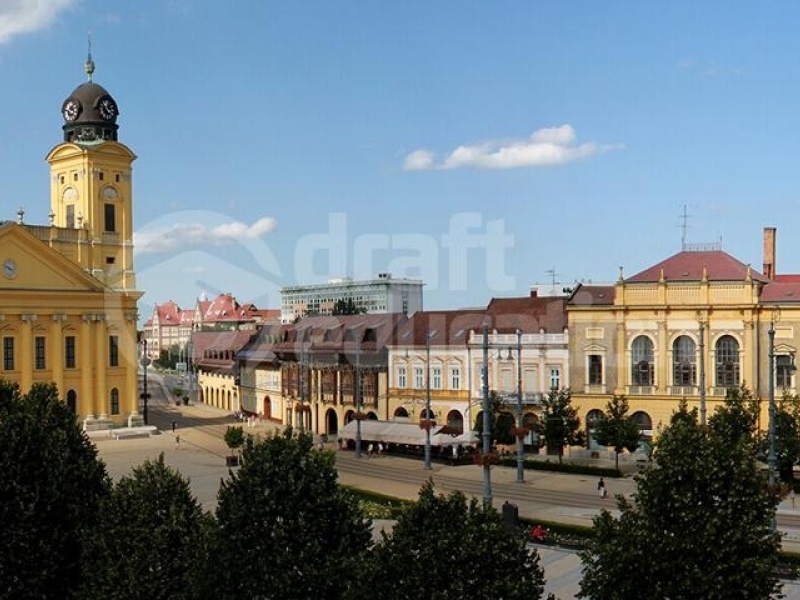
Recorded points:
(68, 289)
(689, 327)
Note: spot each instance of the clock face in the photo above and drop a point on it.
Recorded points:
(71, 110)
(10, 269)
(109, 193)
(107, 108)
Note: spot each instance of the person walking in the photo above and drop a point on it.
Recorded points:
(174, 425)
(177, 442)
(601, 488)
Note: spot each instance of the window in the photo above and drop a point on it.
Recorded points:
(401, 377)
(455, 378)
(39, 353)
(115, 401)
(113, 351)
(554, 377)
(71, 216)
(436, 382)
(506, 380)
(642, 361)
(110, 218)
(8, 353)
(727, 362)
(683, 361)
(110, 260)
(595, 369)
(419, 383)
(69, 352)
(784, 368)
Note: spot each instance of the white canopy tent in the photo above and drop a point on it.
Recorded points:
(404, 432)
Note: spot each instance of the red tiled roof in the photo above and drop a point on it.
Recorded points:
(220, 341)
(781, 291)
(592, 295)
(530, 314)
(691, 266)
(223, 308)
(187, 317)
(168, 314)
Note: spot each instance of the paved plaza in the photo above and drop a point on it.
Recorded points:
(200, 456)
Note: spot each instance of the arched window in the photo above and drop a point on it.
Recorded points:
(455, 420)
(727, 361)
(115, 401)
(684, 361)
(642, 359)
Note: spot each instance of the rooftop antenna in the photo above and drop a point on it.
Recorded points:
(553, 275)
(684, 227)
(89, 67)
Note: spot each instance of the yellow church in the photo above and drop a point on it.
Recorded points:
(68, 289)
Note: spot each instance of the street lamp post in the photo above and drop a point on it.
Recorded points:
(702, 360)
(520, 441)
(428, 400)
(145, 361)
(300, 413)
(771, 458)
(357, 392)
(487, 433)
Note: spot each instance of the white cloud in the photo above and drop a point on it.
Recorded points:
(550, 146)
(25, 16)
(180, 235)
(419, 160)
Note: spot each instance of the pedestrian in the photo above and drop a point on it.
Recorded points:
(174, 425)
(370, 449)
(380, 448)
(601, 488)
(177, 442)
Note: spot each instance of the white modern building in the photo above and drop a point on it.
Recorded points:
(384, 294)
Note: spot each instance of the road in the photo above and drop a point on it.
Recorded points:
(544, 495)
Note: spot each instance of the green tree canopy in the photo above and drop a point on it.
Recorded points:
(151, 543)
(347, 306)
(502, 422)
(286, 529)
(617, 429)
(448, 548)
(51, 487)
(559, 423)
(699, 525)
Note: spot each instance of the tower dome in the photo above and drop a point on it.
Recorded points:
(90, 113)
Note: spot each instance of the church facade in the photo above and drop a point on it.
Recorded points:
(68, 297)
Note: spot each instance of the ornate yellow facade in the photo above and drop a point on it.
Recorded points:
(687, 329)
(68, 298)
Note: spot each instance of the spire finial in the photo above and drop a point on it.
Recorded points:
(89, 62)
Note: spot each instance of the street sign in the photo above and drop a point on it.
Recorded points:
(180, 366)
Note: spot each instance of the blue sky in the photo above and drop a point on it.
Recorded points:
(474, 145)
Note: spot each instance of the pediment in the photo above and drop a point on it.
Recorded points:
(27, 263)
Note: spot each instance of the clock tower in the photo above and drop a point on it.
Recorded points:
(90, 185)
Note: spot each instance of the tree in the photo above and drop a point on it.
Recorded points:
(51, 488)
(285, 528)
(151, 543)
(446, 547)
(787, 430)
(699, 525)
(560, 424)
(737, 417)
(502, 422)
(234, 438)
(617, 429)
(347, 306)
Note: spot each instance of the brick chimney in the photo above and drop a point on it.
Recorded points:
(769, 252)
